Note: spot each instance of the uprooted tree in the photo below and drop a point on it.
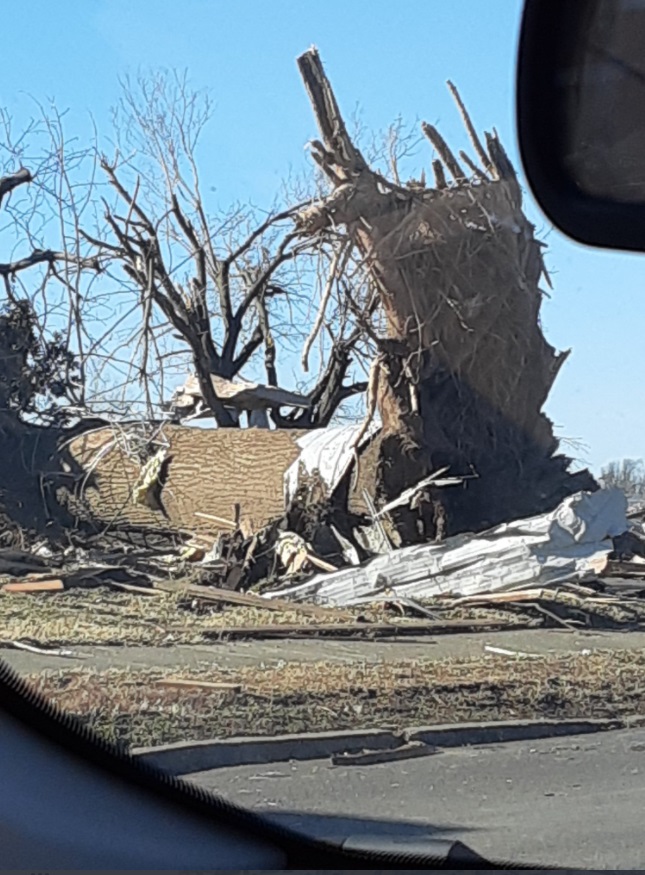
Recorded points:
(463, 370)
(439, 285)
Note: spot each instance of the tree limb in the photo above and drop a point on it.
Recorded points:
(477, 171)
(337, 266)
(49, 256)
(13, 180)
(248, 349)
(272, 220)
(329, 392)
(269, 343)
(347, 158)
(444, 151)
(472, 133)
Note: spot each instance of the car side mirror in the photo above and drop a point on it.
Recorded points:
(581, 116)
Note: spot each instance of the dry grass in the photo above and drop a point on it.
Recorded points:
(130, 706)
(102, 616)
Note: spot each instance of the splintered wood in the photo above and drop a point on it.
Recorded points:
(450, 264)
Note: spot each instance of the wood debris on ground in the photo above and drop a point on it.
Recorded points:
(580, 566)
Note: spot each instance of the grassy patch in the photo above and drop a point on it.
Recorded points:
(101, 616)
(132, 707)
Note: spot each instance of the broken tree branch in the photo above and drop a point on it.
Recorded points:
(345, 159)
(472, 133)
(444, 151)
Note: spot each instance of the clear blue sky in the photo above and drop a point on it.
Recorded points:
(390, 58)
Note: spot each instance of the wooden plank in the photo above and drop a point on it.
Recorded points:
(321, 563)
(357, 630)
(630, 574)
(130, 587)
(249, 600)
(41, 575)
(52, 585)
(519, 595)
(216, 519)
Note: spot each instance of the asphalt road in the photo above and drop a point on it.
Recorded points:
(577, 802)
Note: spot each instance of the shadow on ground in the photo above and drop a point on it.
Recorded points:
(334, 827)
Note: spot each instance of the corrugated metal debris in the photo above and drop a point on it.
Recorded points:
(570, 544)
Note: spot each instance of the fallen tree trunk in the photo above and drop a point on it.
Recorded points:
(207, 472)
(464, 369)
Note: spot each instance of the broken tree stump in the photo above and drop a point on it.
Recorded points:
(463, 369)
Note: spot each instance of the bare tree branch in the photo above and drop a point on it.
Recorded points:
(336, 268)
(48, 256)
(13, 180)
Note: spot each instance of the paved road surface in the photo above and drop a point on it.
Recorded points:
(240, 653)
(578, 801)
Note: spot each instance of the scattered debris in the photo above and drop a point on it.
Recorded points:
(228, 597)
(388, 755)
(412, 495)
(295, 555)
(237, 395)
(552, 570)
(188, 683)
(147, 487)
(572, 543)
(43, 651)
(502, 651)
(33, 586)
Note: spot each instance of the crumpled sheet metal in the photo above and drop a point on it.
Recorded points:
(569, 544)
(330, 451)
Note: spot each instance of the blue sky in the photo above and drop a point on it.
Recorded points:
(391, 59)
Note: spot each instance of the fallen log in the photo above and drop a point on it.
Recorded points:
(207, 472)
